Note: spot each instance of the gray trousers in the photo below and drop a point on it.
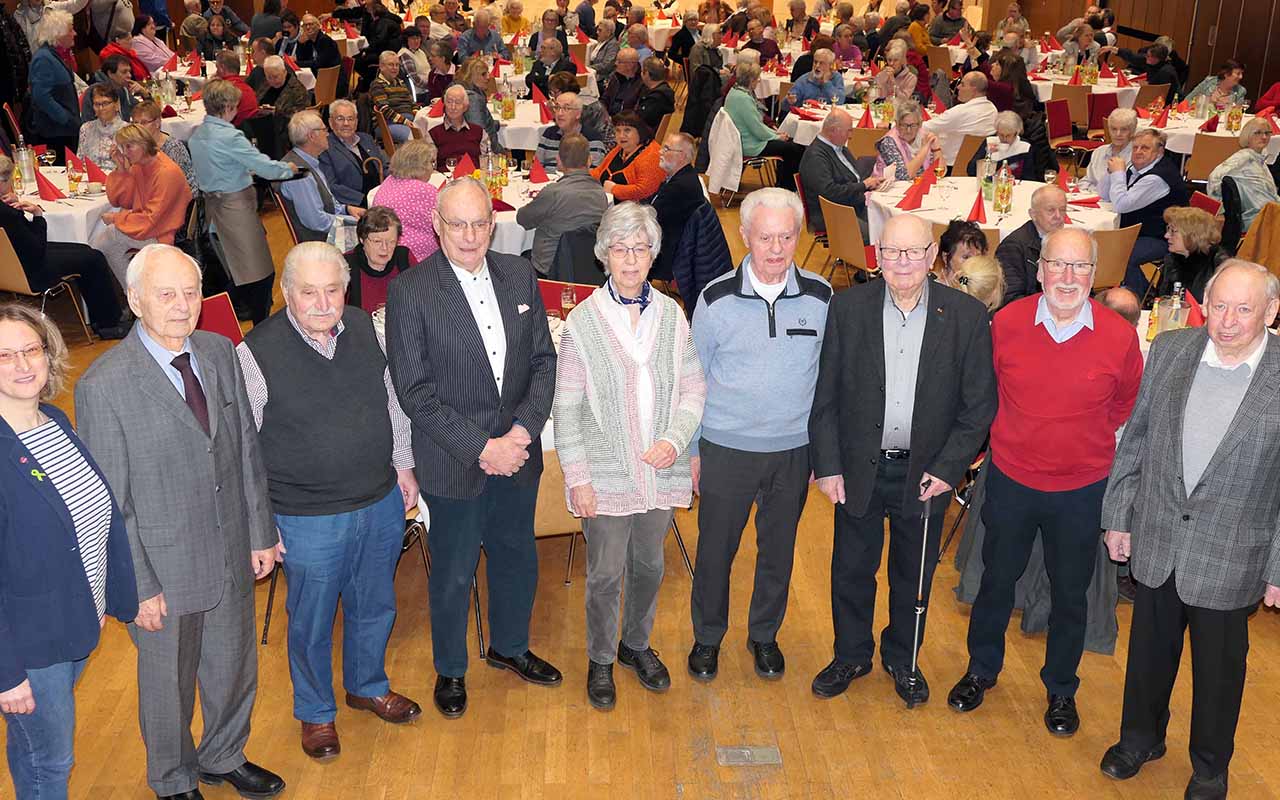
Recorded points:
(623, 548)
(116, 246)
(214, 648)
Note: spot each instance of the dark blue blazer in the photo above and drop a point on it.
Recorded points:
(345, 172)
(47, 615)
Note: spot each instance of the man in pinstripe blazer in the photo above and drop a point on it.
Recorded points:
(1193, 501)
(473, 364)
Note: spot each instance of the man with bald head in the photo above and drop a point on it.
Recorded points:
(677, 198)
(1192, 505)
(884, 341)
(622, 92)
(1068, 369)
(1019, 252)
(828, 170)
(973, 114)
(481, 39)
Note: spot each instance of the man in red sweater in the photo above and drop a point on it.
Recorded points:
(1067, 370)
(229, 70)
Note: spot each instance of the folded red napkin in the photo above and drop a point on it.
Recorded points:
(1184, 107)
(1140, 77)
(578, 67)
(194, 69)
(1142, 113)
(502, 205)
(812, 104)
(928, 180)
(515, 40)
(661, 15)
(911, 200)
(537, 96)
(978, 213)
(94, 172)
(675, 23)
(39, 149)
(1275, 126)
(1054, 43)
(1066, 220)
(72, 161)
(196, 96)
(924, 114)
(1195, 315)
(1104, 70)
(805, 114)
(494, 73)
(804, 45)
(171, 64)
(1122, 80)
(865, 121)
(1075, 79)
(465, 167)
(437, 109)
(1062, 179)
(1161, 120)
(1266, 112)
(47, 190)
(350, 30)
(503, 62)
(582, 36)
(537, 173)
(408, 16)
(955, 40)
(169, 112)
(938, 105)
(780, 71)
(544, 114)
(290, 63)
(1210, 125)
(1086, 202)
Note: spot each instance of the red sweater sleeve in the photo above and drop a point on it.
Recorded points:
(1127, 386)
(1271, 97)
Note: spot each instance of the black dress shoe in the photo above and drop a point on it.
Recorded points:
(968, 693)
(249, 780)
(836, 677)
(704, 661)
(601, 692)
(913, 689)
(194, 794)
(648, 667)
(768, 657)
(528, 666)
(1206, 788)
(1123, 764)
(451, 696)
(1061, 717)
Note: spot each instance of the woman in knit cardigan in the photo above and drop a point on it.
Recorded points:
(631, 170)
(629, 397)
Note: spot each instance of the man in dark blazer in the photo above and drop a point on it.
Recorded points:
(906, 393)
(1192, 504)
(166, 415)
(676, 199)
(474, 368)
(828, 170)
(343, 164)
(1019, 252)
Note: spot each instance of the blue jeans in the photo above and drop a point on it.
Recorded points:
(40, 743)
(501, 520)
(352, 556)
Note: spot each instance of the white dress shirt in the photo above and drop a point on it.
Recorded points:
(478, 289)
(1096, 176)
(976, 117)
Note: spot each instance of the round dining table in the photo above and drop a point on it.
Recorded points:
(185, 123)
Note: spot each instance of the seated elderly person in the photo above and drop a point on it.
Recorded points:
(283, 95)
(759, 139)
(377, 259)
(1255, 183)
(149, 196)
(513, 20)
(574, 202)
(393, 96)
(1194, 255)
(354, 162)
(440, 74)
(1223, 89)
(906, 151)
(846, 48)
(948, 23)
(1012, 19)
(568, 119)
(308, 200)
(1140, 192)
(1019, 252)
(551, 59)
(409, 192)
(982, 278)
(550, 30)
(623, 89)
(98, 136)
(602, 55)
(1122, 125)
(756, 40)
(481, 39)
(824, 83)
(594, 117)
(473, 75)
(1009, 148)
(122, 45)
(454, 137)
(638, 40)
(656, 99)
(898, 79)
(217, 37)
(827, 170)
(800, 25)
(194, 24)
(415, 62)
(259, 51)
(1081, 48)
(631, 170)
(45, 262)
(973, 114)
(315, 49)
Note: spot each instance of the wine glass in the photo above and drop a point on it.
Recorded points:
(1050, 176)
(450, 164)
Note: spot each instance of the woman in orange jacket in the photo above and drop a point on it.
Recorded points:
(631, 170)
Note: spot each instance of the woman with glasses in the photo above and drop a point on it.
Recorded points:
(377, 259)
(408, 192)
(147, 114)
(65, 563)
(631, 170)
(905, 152)
(1194, 236)
(629, 397)
(98, 135)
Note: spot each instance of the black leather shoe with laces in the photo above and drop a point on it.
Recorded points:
(969, 692)
(1123, 764)
(528, 666)
(1061, 718)
(835, 677)
(704, 661)
(768, 657)
(913, 689)
(647, 666)
(601, 692)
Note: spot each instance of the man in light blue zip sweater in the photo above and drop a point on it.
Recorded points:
(758, 332)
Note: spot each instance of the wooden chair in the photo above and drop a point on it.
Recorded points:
(284, 212)
(844, 238)
(1148, 92)
(14, 128)
(1077, 98)
(819, 237)
(661, 135)
(940, 58)
(14, 279)
(968, 148)
(862, 141)
(1207, 152)
(326, 87)
(579, 51)
(1114, 249)
(388, 144)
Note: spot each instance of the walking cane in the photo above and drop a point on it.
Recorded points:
(915, 639)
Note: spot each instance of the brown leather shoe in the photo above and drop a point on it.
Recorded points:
(391, 707)
(320, 739)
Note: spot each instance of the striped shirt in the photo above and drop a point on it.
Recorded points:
(85, 495)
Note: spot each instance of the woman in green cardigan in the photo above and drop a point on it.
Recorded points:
(758, 139)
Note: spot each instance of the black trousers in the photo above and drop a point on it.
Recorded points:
(254, 297)
(96, 283)
(1219, 645)
(855, 560)
(790, 153)
(1069, 525)
(732, 481)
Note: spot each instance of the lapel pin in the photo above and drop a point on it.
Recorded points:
(22, 460)
(38, 475)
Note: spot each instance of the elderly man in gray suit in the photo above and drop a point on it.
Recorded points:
(166, 415)
(1192, 503)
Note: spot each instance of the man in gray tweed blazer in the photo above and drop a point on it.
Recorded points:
(166, 415)
(1193, 502)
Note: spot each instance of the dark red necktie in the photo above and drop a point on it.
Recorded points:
(192, 389)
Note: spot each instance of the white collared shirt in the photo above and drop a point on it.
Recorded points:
(1061, 334)
(477, 287)
(976, 117)
(1211, 357)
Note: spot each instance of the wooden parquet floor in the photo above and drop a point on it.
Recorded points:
(520, 741)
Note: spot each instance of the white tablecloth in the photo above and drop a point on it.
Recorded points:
(71, 220)
(1181, 133)
(661, 31)
(182, 126)
(349, 47)
(804, 131)
(956, 198)
(508, 236)
(1125, 95)
(520, 133)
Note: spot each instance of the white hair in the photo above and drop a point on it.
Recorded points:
(52, 27)
(1122, 118)
(623, 221)
(903, 7)
(302, 124)
(342, 103)
(273, 64)
(1064, 231)
(824, 55)
(605, 33)
(708, 34)
(1008, 122)
(311, 253)
(772, 198)
(460, 88)
(137, 270)
(895, 50)
(482, 14)
(460, 183)
(1271, 282)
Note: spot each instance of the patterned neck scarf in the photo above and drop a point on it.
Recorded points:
(642, 301)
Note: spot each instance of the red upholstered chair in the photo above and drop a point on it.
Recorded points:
(217, 315)
(1100, 107)
(1204, 202)
(1058, 119)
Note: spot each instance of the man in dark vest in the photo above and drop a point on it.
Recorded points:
(339, 462)
(308, 201)
(1141, 191)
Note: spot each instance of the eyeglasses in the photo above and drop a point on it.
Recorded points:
(459, 226)
(898, 253)
(34, 352)
(1055, 266)
(621, 251)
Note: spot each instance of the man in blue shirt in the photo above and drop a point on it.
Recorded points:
(823, 83)
(309, 202)
(482, 38)
(232, 19)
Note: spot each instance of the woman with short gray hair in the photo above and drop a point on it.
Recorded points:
(377, 259)
(408, 192)
(1248, 168)
(629, 397)
(1122, 123)
(1007, 147)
